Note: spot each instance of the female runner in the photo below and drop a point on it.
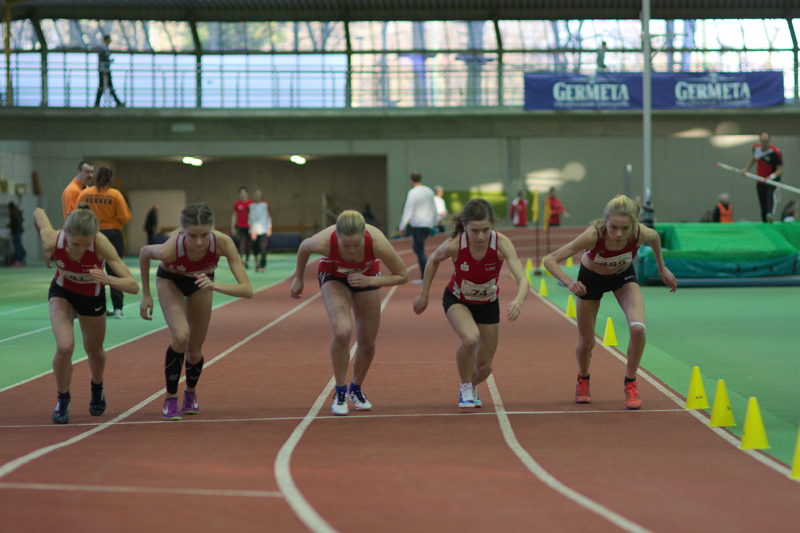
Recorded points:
(610, 246)
(185, 284)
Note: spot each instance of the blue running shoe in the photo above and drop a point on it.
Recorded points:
(61, 412)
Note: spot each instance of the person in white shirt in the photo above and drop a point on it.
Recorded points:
(260, 219)
(419, 215)
(441, 209)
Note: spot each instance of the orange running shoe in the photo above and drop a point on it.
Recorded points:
(632, 400)
(582, 394)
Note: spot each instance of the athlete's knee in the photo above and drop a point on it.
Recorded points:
(180, 339)
(342, 333)
(64, 350)
(637, 330)
(471, 340)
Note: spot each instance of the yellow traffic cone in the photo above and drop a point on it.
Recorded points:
(528, 274)
(569, 261)
(754, 436)
(542, 288)
(529, 265)
(571, 307)
(696, 397)
(721, 413)
(609, 337)
(795, 473)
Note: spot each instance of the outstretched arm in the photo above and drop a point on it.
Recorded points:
(123, 280)
(242, 288)
(388, 255)
(448, 249)
(650, 236)
(319, 243)
(585, 240)
(509, 253)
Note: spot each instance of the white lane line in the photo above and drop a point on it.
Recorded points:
(145, 334)
(18, 309)
(12, 465)
(20, 335)
(548, 479)
(762, 458)
(59, 487)
(283, 474)
(359, 416)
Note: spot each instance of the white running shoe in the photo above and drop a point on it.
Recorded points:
(359, 401)
(339, 406)
(465, 398)
(475, 398)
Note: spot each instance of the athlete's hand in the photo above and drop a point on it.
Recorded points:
(100, 276)
(357, 279)
(772, 176)
(420, 303)
(669, 279)
(204, 282)
(742, 171)
(577, 288)
(297, 287)
(146, 307)
(514, 309)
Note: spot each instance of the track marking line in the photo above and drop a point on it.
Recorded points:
(59, 487)
(282, 468)
(548, 479)
(766, 460)
(14, 464)
(18, 309)
(359, 416)
(136, 338)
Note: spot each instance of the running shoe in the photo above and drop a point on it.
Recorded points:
(118, 313)
(339, 407)
(61, 412)
(632, 400)
(190, 405)
(582, 394)
(170, 410)
(466, 399)
(475, 398)
(359, 401)
(97, 405)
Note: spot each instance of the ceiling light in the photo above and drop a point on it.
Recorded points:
(194, 161)
(298, 159)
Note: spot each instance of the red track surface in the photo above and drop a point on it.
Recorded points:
(412, 464)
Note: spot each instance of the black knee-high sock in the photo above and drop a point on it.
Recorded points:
(193, 373)
(172, 369)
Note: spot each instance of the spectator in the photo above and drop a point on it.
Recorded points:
(151, 224)
(441, 209)
(789, 213)
(104, 71)
(556, 208)
(419, 215)
(83, 179)
(769, 165)
(518, 211)
(723, 211)
(240, 227)
(15, 225)
(260, 220)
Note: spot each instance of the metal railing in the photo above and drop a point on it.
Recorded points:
(73, 82)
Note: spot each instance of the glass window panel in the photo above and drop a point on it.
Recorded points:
(26, 79)
(23, 35)
(170, 36)
(306, 36)
(71, 79)
(381, 35)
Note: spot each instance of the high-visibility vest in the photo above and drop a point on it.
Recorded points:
(725, 213)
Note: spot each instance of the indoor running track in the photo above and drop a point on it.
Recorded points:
(265, 455)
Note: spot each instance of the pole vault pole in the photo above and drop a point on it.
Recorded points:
(759, 178)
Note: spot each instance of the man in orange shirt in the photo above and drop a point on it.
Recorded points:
(84, 178)
(112, 213)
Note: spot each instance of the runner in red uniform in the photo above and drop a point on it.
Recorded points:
(80, 253)
(185, 284)
(240, 224)
(769, 165)
(610, 245)
(471, 297)
(349, 274)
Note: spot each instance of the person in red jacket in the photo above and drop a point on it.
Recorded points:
(240, 225)
(518, 210)
(556, 208)
(769, 165)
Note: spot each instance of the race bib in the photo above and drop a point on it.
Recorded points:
(484, 292)
(77, 277)
(615, 262)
